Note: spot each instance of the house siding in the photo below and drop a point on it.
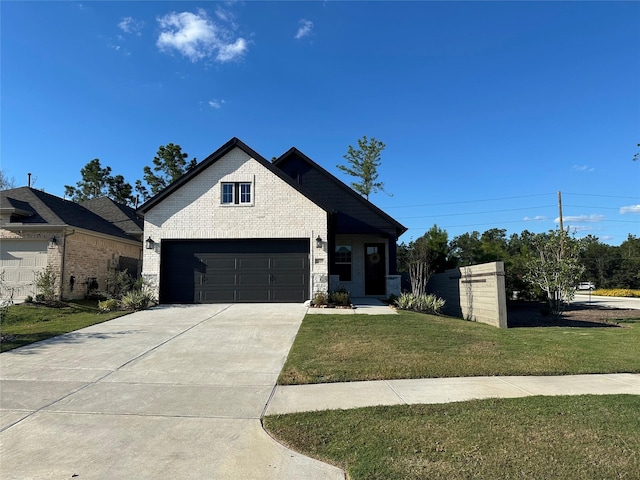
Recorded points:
(278, 211)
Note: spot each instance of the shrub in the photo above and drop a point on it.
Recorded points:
(340, 297)
(28, 299)
(45, 282)
(137, 299)
(6, 298)
(320, 298)
(108, 305)
(119, 283)
(420, 303)
(617, 292)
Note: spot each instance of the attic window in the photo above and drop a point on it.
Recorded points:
(236, 193)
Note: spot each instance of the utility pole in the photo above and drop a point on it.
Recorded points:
(561, 224)
(560, 209)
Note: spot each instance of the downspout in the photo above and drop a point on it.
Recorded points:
(64, 259)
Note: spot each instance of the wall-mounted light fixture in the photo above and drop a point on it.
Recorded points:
(319, 242)
(149, 243)
(53, 242)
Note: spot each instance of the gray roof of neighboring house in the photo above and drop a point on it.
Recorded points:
(120, 215)
(28, 206)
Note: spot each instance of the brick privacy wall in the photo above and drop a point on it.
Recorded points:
(91, 256)
(475, 293)
(195, 212)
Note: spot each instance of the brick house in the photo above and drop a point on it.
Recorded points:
(82, 242)
(238, 228)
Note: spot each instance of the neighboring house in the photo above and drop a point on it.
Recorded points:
(238, 228)
(82, 242)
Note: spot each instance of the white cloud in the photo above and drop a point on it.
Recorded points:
(233, 50)
(196, 37)
(304, 29)
(630, 209)
(537, 218)
(583, 168)
(217, 104)
(579, 228)
(593, 218)
(131, 25)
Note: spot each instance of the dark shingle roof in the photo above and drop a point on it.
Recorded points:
(35, 207)
(120, 215)
(355, 213)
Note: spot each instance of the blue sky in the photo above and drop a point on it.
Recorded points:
(487, 109)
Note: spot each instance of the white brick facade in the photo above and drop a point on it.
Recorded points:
(277, 211)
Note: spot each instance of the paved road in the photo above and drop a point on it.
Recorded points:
(169, 393)
(611, 302)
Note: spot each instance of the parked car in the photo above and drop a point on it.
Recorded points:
(586, 286)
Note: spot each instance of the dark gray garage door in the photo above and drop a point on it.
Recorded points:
(224, 271)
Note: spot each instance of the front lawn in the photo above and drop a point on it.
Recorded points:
(339, 348)
(534, 437)
(28, 323)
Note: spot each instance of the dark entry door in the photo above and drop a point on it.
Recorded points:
(374, 269)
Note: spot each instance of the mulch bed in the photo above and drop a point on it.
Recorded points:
(533, 314)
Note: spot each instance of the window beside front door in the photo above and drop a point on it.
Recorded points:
(236, 193)
(343, 262)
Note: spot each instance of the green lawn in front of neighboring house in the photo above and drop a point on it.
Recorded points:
(341, 348)
(31, 322)
(524, 438)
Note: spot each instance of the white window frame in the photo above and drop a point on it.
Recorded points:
(241, 193)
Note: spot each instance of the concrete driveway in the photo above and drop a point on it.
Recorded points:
(173, 392)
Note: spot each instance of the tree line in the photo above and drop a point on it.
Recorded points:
(169, 164)
(605, 265)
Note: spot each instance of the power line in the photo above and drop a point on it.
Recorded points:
(596, 195)
(496, 223)
(467, 201)
(506, 198)
(476, 213)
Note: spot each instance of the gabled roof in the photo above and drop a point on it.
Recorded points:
(210, 160)
(118, 214)
(329, 197)
(30, 207)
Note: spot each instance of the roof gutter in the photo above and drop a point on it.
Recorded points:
(17, 227)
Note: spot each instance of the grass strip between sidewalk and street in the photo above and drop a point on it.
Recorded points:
(343, 348)
(536, 437)
(28, 323)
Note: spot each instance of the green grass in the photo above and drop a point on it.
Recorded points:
(535, 437)
(337, 348)
(29, 323)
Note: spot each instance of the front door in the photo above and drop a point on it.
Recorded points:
(374, 269)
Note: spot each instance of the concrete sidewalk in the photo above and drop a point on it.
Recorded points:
(328, 396)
